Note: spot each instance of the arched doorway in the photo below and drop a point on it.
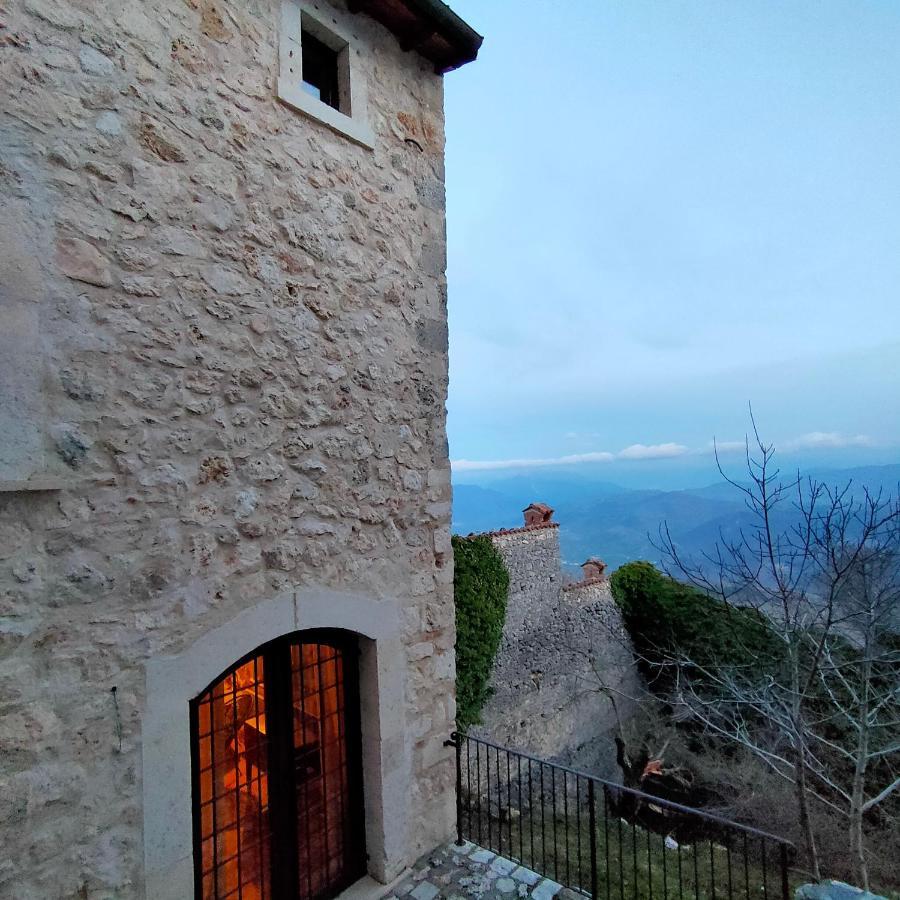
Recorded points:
(277, 777)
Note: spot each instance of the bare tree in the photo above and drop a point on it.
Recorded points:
(859, 678)
(821, 566)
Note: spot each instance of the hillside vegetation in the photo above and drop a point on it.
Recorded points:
(689, 645)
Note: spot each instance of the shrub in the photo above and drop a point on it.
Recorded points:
(670, 620)
(480, 591)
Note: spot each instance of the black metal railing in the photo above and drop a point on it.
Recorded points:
(605, 840)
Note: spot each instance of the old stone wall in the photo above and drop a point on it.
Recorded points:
(556, 641)
(233, 368)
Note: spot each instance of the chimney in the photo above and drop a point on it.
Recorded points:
(593, 569)
(537, 514)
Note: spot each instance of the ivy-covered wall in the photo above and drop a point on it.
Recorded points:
(480, 590)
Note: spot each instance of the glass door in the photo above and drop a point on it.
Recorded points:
(278, 802)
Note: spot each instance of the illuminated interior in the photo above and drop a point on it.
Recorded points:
(278, 724)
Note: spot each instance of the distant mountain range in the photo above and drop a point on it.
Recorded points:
(598, 518)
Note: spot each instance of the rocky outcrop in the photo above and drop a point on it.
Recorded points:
(833, 890)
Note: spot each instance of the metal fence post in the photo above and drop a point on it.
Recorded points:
(785, 887)
(456, 740)
(592, 820)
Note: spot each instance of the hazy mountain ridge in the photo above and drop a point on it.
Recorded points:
(620, 524)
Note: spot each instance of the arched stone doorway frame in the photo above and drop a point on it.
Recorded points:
(173, 681)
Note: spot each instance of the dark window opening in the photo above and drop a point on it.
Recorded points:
(320, 70)
(277, 774)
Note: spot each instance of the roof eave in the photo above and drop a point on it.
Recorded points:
(435, 24)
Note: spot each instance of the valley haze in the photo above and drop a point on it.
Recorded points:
(613, 510)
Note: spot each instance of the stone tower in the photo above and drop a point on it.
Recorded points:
(223, 461)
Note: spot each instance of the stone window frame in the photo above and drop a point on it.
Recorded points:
(172, 681)
(308, 15)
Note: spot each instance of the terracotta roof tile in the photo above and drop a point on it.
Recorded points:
(585, 583)
(503, 531)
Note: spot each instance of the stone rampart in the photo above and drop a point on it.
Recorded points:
(560, 641)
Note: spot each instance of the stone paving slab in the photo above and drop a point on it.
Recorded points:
(502, 866)
(529, 877)
(469, 871)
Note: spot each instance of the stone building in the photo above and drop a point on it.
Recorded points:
(226, 617)
(564, 647)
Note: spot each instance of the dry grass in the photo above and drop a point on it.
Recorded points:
(631, 862)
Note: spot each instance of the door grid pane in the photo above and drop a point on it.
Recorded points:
(303, 747)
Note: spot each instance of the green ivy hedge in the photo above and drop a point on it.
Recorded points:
(668, 619)
(480, 591)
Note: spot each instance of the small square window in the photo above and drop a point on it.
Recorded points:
(320, 70)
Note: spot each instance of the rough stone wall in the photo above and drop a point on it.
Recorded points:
(239, 321)
(545, 699)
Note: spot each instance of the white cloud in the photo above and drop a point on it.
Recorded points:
(635, 451)
(653, 451)
(828, 439)
(815, 440)
(473, 465)
(670, 450)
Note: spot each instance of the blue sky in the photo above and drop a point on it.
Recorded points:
(659, 211)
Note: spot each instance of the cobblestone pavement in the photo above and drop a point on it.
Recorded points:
(458, 873)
